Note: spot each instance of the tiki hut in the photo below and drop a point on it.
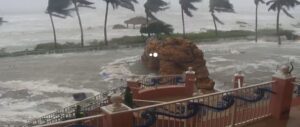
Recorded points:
(139, 20)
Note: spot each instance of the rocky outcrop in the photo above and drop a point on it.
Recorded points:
(174, 56)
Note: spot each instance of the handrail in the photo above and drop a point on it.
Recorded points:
(97, 101)
(71, 121)
(192, 98)
(159, 104)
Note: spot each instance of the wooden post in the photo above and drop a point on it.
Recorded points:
(283, 87)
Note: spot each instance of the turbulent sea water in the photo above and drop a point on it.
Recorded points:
(32, 86)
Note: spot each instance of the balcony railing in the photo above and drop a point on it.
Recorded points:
(87, 106)
(233, 107)
(95, 121)
(148, 81)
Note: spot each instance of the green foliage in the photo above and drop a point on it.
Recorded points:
(128, 100)
(128, 4)
(59, 7)
(158, 28)
(283, 5)
(78, 112)
(154, 6)
(220, 6)
(187, 6)
(51, 46)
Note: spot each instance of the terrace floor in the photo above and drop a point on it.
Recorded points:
(293, 121)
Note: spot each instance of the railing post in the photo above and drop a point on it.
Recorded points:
(283, 87)
(238, 79)
(190, 81)
(113, 118)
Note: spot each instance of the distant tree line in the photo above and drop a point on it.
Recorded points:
(64, 9)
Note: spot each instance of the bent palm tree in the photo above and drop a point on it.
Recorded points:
(256, 10)
(186, 7)
(284, 5)
(81, 3)
(219, 6)
(57, 8)
(154, 6)
(128, 4)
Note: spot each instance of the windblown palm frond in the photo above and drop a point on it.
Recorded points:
(220, 6)
(154, 6)
(259, 1)
(187, 6)
(84, 3)
(59, 8)
(128, 4)
(283, 5)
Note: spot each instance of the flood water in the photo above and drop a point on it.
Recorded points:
(31, 86)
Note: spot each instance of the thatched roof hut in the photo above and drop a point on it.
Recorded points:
(139, 20)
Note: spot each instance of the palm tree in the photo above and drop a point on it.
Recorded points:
(256, 10)
(284, 5)
(154, 6)
(186, 7)
(128, 4)
(57, 8)
(81, 3)
(219, 6)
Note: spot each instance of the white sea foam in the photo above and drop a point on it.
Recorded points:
(40, 87)
(118, 69)
(25, 108)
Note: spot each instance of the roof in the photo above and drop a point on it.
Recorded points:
(136, 20)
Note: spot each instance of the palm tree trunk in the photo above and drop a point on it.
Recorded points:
(183, 23)
(147, 24)
(80, 24)
(216, 28)
(277, 26)
(105, 24)
(256, 23)
(54, 32)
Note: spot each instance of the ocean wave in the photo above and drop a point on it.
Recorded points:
(118, 69)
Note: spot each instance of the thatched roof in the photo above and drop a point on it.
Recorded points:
(139, 20)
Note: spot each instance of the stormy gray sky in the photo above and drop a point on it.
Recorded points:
(29, 6)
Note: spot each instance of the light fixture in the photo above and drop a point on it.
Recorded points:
(150, 54)
(155, 54)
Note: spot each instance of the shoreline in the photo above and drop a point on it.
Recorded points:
(126, 42)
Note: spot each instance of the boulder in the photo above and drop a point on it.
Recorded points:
(175, 55)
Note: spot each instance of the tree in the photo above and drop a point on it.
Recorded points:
(57, 8)
(154, 6)
(157, 28)
(256, 11)
(81, 3)
(128, 4)
(186, 7)
(219, 6)
(128, 100)
(281, 5)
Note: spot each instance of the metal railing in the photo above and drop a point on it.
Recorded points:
(155, 81)
(297, 87)
(95, 121)
(87, 106)
(211, 110)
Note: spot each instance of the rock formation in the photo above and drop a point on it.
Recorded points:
(174, 56)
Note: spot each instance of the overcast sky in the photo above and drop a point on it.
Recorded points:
(39, 6)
